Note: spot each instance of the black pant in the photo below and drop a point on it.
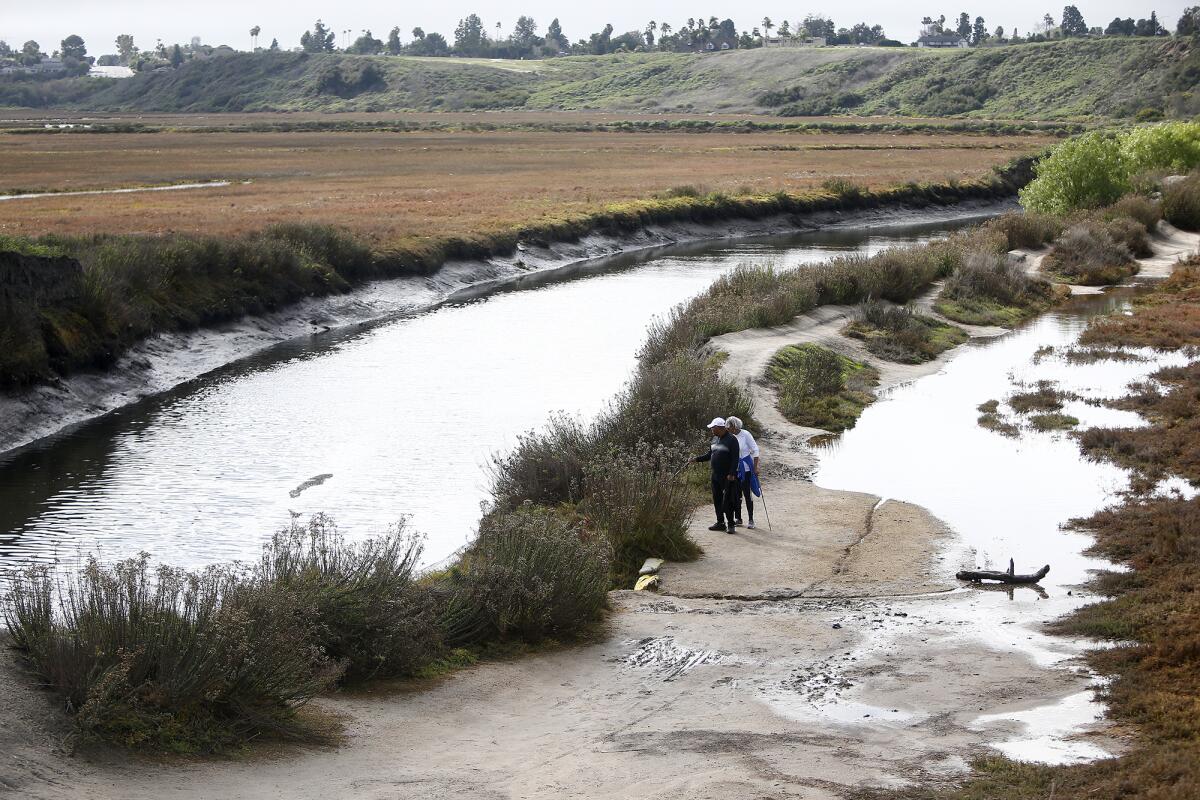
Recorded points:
(745, 491)
(725, 493)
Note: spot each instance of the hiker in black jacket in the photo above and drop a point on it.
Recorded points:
(724, 457)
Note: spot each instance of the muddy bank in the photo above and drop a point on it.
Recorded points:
(166, 361)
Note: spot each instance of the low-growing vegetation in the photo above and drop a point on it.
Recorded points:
(990, 289)
(897, 333)
(819, 388)
(1089, 255)
(991, 418)
(209, 661)
(1044, 398)
(1167, 319)
(1054, 421)
(1181, 203)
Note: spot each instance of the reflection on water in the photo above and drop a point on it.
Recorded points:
(1003, 497)
(1006, 497)
(400, 418)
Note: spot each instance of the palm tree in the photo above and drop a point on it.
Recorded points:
(254, 32)
(767, 25)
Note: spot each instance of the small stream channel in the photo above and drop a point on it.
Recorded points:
(371, 424)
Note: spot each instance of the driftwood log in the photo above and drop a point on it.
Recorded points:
(1003, 577)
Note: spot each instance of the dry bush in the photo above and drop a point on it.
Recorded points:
(638, 500)
(1143, 209)
(361, 599)
(1181, 203)
(178, 660)
(529, 575)
(1089, 254)
(1029, 230)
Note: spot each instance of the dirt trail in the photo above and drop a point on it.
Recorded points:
(824, 654)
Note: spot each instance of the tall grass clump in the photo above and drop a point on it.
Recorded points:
(1181, 203)
(990, 289)
(530, 575)
(361, 599)
(819, 388)
(1136, 207)
(1030, 230)
(1091, 255)
(178, 660)
(897, 333)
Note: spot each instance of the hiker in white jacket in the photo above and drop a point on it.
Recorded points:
(748, 450)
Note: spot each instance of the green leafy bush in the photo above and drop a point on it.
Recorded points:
(1086, 171)
(1171, 146)
(1095, 169)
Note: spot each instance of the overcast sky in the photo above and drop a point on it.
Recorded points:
(228, 21)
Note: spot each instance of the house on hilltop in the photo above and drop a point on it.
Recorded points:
(947, 39)
(794, 41)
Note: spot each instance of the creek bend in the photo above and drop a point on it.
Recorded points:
(401, 417)
(370, 424)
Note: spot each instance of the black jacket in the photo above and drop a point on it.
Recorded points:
(724, 455)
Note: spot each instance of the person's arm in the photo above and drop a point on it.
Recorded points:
(706, 457)
(754, 451)
(735, 457)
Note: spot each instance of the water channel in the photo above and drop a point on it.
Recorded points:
(396, 419)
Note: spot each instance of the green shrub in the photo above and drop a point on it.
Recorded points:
(819, 388)
(1095, 169)
(1171, 146)
(896, 333)
(362, 602)
(1087, 171)
(1181, 203)
(529, 575)
(640, 501)
(1089, 254)
(178, 660)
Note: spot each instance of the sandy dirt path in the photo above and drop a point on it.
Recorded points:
(827, 653)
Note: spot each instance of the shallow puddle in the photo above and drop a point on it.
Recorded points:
(1003, 496)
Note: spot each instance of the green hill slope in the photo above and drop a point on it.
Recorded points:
(1075, 79)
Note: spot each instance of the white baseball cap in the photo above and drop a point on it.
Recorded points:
(718, 422)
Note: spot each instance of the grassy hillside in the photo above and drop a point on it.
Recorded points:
(1076, 80)
(1059, 80)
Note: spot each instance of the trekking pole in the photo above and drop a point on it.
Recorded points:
(763, 497)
